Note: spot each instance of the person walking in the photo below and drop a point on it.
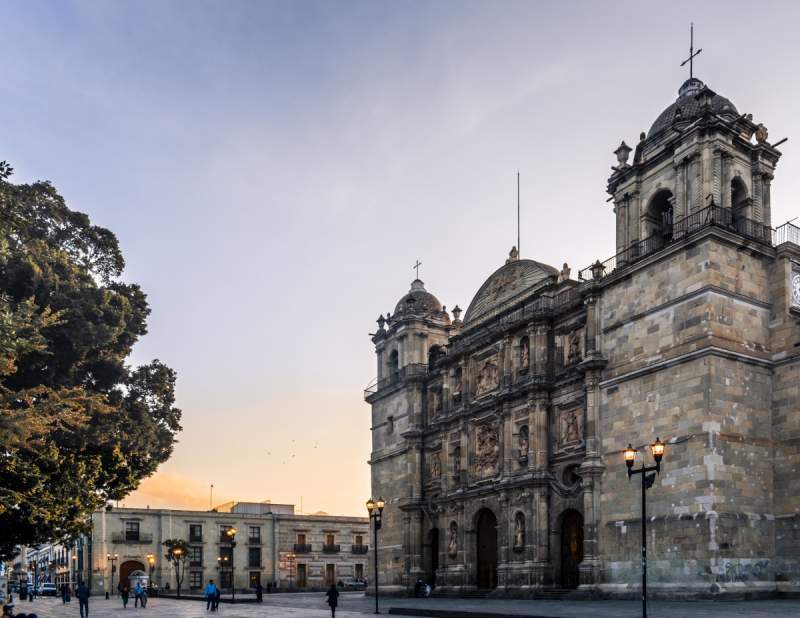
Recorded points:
(137, 591)
(217, 597)
(211, 595)
(333, 599)
(259, 592)
(82, 592)
(125, 594)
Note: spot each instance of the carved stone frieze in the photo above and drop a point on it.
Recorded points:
(487, 450)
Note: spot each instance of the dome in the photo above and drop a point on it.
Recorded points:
(690, 107)
(418, 301)
(506, 285)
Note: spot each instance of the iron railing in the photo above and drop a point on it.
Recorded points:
(331, 549)
(713, 215)
(786, 233)
(302, 548)
(130, 537)
(360, 549)
(409, 371)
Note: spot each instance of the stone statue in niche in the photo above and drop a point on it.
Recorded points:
(436, 466)
(488, 376)
(452, 543)
(457, 379)
(762, 134)
(574, 347)
(457, 462)
(564, 274)
(487, 450)
(523, 443)
(524, 354)
(435, 403)
(570, 427)
(519, 532)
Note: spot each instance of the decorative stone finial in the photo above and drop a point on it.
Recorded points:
(564, 274)
(762, 134)
(381, 322)
(513, 255)
(623, 151)
(457, 313)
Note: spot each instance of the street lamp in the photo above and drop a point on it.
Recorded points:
(151, 560)
(231, 532)
(629, 454)
(113, 561)
(375, 510)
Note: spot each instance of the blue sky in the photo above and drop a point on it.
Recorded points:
(273, 170)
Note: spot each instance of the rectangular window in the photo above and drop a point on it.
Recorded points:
(254, 557)
(255, 534)
(359, 575)
(195, 556)
(223, 534)
(131, 530)
(301, 576)
(359, 540)
(195, 533)
(330, 574)
(195, 579)
(225, 579)
(226, 555)
(301, 539)
(255, 578)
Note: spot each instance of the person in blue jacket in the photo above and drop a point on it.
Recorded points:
(211, 595)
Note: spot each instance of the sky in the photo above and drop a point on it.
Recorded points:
(273, 170)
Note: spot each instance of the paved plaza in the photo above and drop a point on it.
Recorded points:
(312, 605)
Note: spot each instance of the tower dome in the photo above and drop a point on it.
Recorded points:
(687, 107)
(418, 301)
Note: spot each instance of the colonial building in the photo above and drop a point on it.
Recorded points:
(498, 440)
(273, 546)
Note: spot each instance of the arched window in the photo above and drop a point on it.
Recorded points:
(739, 201)
(434, 354)
(393, 362)
(659, 217)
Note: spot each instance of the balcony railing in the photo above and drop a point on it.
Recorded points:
(131, 537)
(331, 549)
(787, 232)
(409, 371)
(360, 549)
(713, 215)
(302, 548)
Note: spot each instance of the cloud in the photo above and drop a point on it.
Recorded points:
(173, 491)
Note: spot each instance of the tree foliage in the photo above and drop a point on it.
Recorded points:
(78, 427)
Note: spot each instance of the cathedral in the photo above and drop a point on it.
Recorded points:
(498, 439)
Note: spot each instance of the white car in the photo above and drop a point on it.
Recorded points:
(48, 589)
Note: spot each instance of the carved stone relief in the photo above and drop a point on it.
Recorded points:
(488, 376)
(434, 402)
(487, 450)
(524, 354)
(570, 426)
(519, 532)
(523, 444)
(452, 542)
(435, 466)
(574, 347)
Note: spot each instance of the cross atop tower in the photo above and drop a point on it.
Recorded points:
(416, 267)
(692, 53)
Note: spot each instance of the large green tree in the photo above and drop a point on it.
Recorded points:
(78, 427)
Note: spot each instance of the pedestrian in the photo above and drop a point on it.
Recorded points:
(8, 609)
(259, 592)
(333, 599)
(211, 595)
(217, 597)
(64, 590)
(124, 592)
(82, 592)
(144, 597)
(418, 587)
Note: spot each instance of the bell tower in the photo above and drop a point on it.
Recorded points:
(699, 153)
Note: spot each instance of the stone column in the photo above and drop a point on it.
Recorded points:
(508, 454)
(680, 190)
(765, 200)
(716, 181)
(634, 216)
(757, 207)
(590, 302)
(621, 210)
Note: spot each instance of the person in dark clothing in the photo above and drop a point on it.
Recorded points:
(333, 599)
(217, 597)
(418, 587)
(82, 592)
(259, 592)
(125, 594)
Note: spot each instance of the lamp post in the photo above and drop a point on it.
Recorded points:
(113, 560)
(231, 532)
(375, 510)
(657, 449)
(151, 560)
(222, 561)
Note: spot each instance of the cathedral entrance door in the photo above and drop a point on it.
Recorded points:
(571, 548)
(487, 550)
(432, 557)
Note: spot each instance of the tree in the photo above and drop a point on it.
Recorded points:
(177, 554)
(78, 427)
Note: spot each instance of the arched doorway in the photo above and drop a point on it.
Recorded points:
(432, 556)
(487, 550)
(127, 568)
(659, 217)
(739, 201)
(571, 548)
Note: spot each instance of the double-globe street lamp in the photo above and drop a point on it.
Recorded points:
(657, 449)
(113, 560)
(230, 533)
(375, 510)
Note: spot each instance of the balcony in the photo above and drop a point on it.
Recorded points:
(131, 537)
(331, 549)
(412, 370)
(360, 549)
(303, 548)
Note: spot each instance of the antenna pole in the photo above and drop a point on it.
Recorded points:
(211, 498)
(518, 243)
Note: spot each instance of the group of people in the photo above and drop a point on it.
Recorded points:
(139, 593)
(81, 593)
(212, 595)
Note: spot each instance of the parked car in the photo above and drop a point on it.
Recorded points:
(47, 589)
(351, 583)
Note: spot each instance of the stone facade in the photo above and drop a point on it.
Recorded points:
(267, 548)
(497, 441)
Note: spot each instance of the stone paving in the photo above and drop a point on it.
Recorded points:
(357, 605)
